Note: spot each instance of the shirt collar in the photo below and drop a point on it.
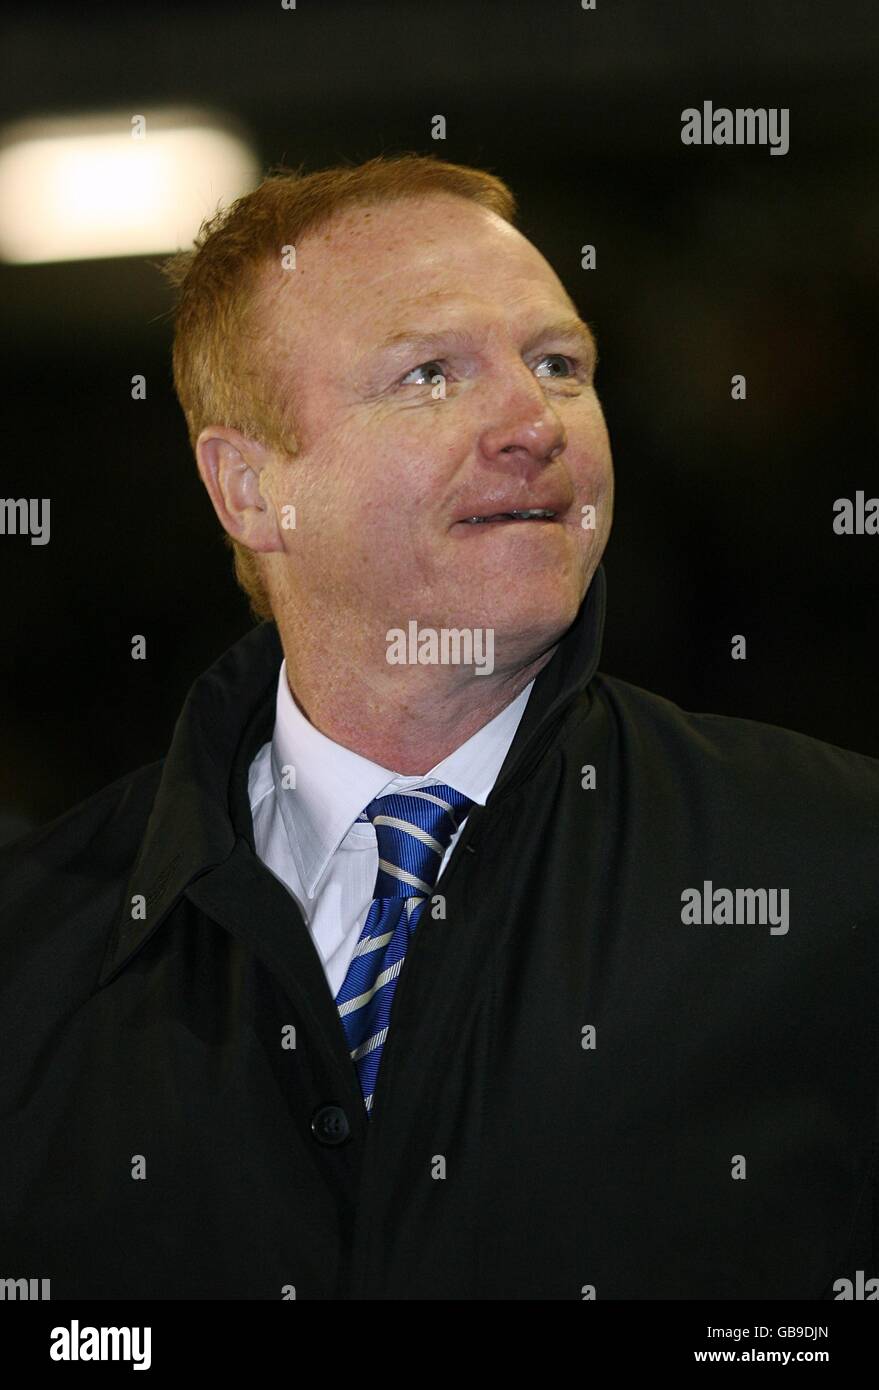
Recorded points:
(333, 784)
(201, 807)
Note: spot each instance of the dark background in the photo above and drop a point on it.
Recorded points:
(711, 261)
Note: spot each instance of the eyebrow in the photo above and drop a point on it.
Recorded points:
(571, 330)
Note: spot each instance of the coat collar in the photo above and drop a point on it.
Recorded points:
(201, 806)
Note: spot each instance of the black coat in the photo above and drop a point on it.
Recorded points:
(162, 1137)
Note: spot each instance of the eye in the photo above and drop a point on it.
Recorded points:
(426, 370)
(558, 358)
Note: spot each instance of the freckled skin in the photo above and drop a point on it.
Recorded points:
(384, 472)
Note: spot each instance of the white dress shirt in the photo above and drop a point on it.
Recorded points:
(307, 835)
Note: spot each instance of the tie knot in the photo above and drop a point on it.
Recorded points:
(414, 830)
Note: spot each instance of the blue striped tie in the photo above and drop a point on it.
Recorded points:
(414, 830)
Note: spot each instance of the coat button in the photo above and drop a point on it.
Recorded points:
(329, 1125)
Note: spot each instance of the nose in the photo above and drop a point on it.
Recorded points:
(525, 428)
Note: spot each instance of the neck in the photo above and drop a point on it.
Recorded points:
(406, 718)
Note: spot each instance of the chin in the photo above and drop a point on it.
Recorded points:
(522, 631)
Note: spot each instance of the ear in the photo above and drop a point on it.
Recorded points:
(234, 469)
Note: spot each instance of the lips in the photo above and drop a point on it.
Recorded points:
(527, 514)
(552, 505)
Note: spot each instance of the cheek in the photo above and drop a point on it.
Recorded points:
(592, 444)
(360, 498)
(413, 457)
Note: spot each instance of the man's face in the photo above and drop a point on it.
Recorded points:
(391, 463)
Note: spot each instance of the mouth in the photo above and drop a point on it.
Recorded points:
(530, 515)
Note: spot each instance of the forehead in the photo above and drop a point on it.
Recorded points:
(358, 277)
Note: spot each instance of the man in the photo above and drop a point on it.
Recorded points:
(430, 963)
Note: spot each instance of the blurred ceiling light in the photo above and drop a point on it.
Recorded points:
(85, 188)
